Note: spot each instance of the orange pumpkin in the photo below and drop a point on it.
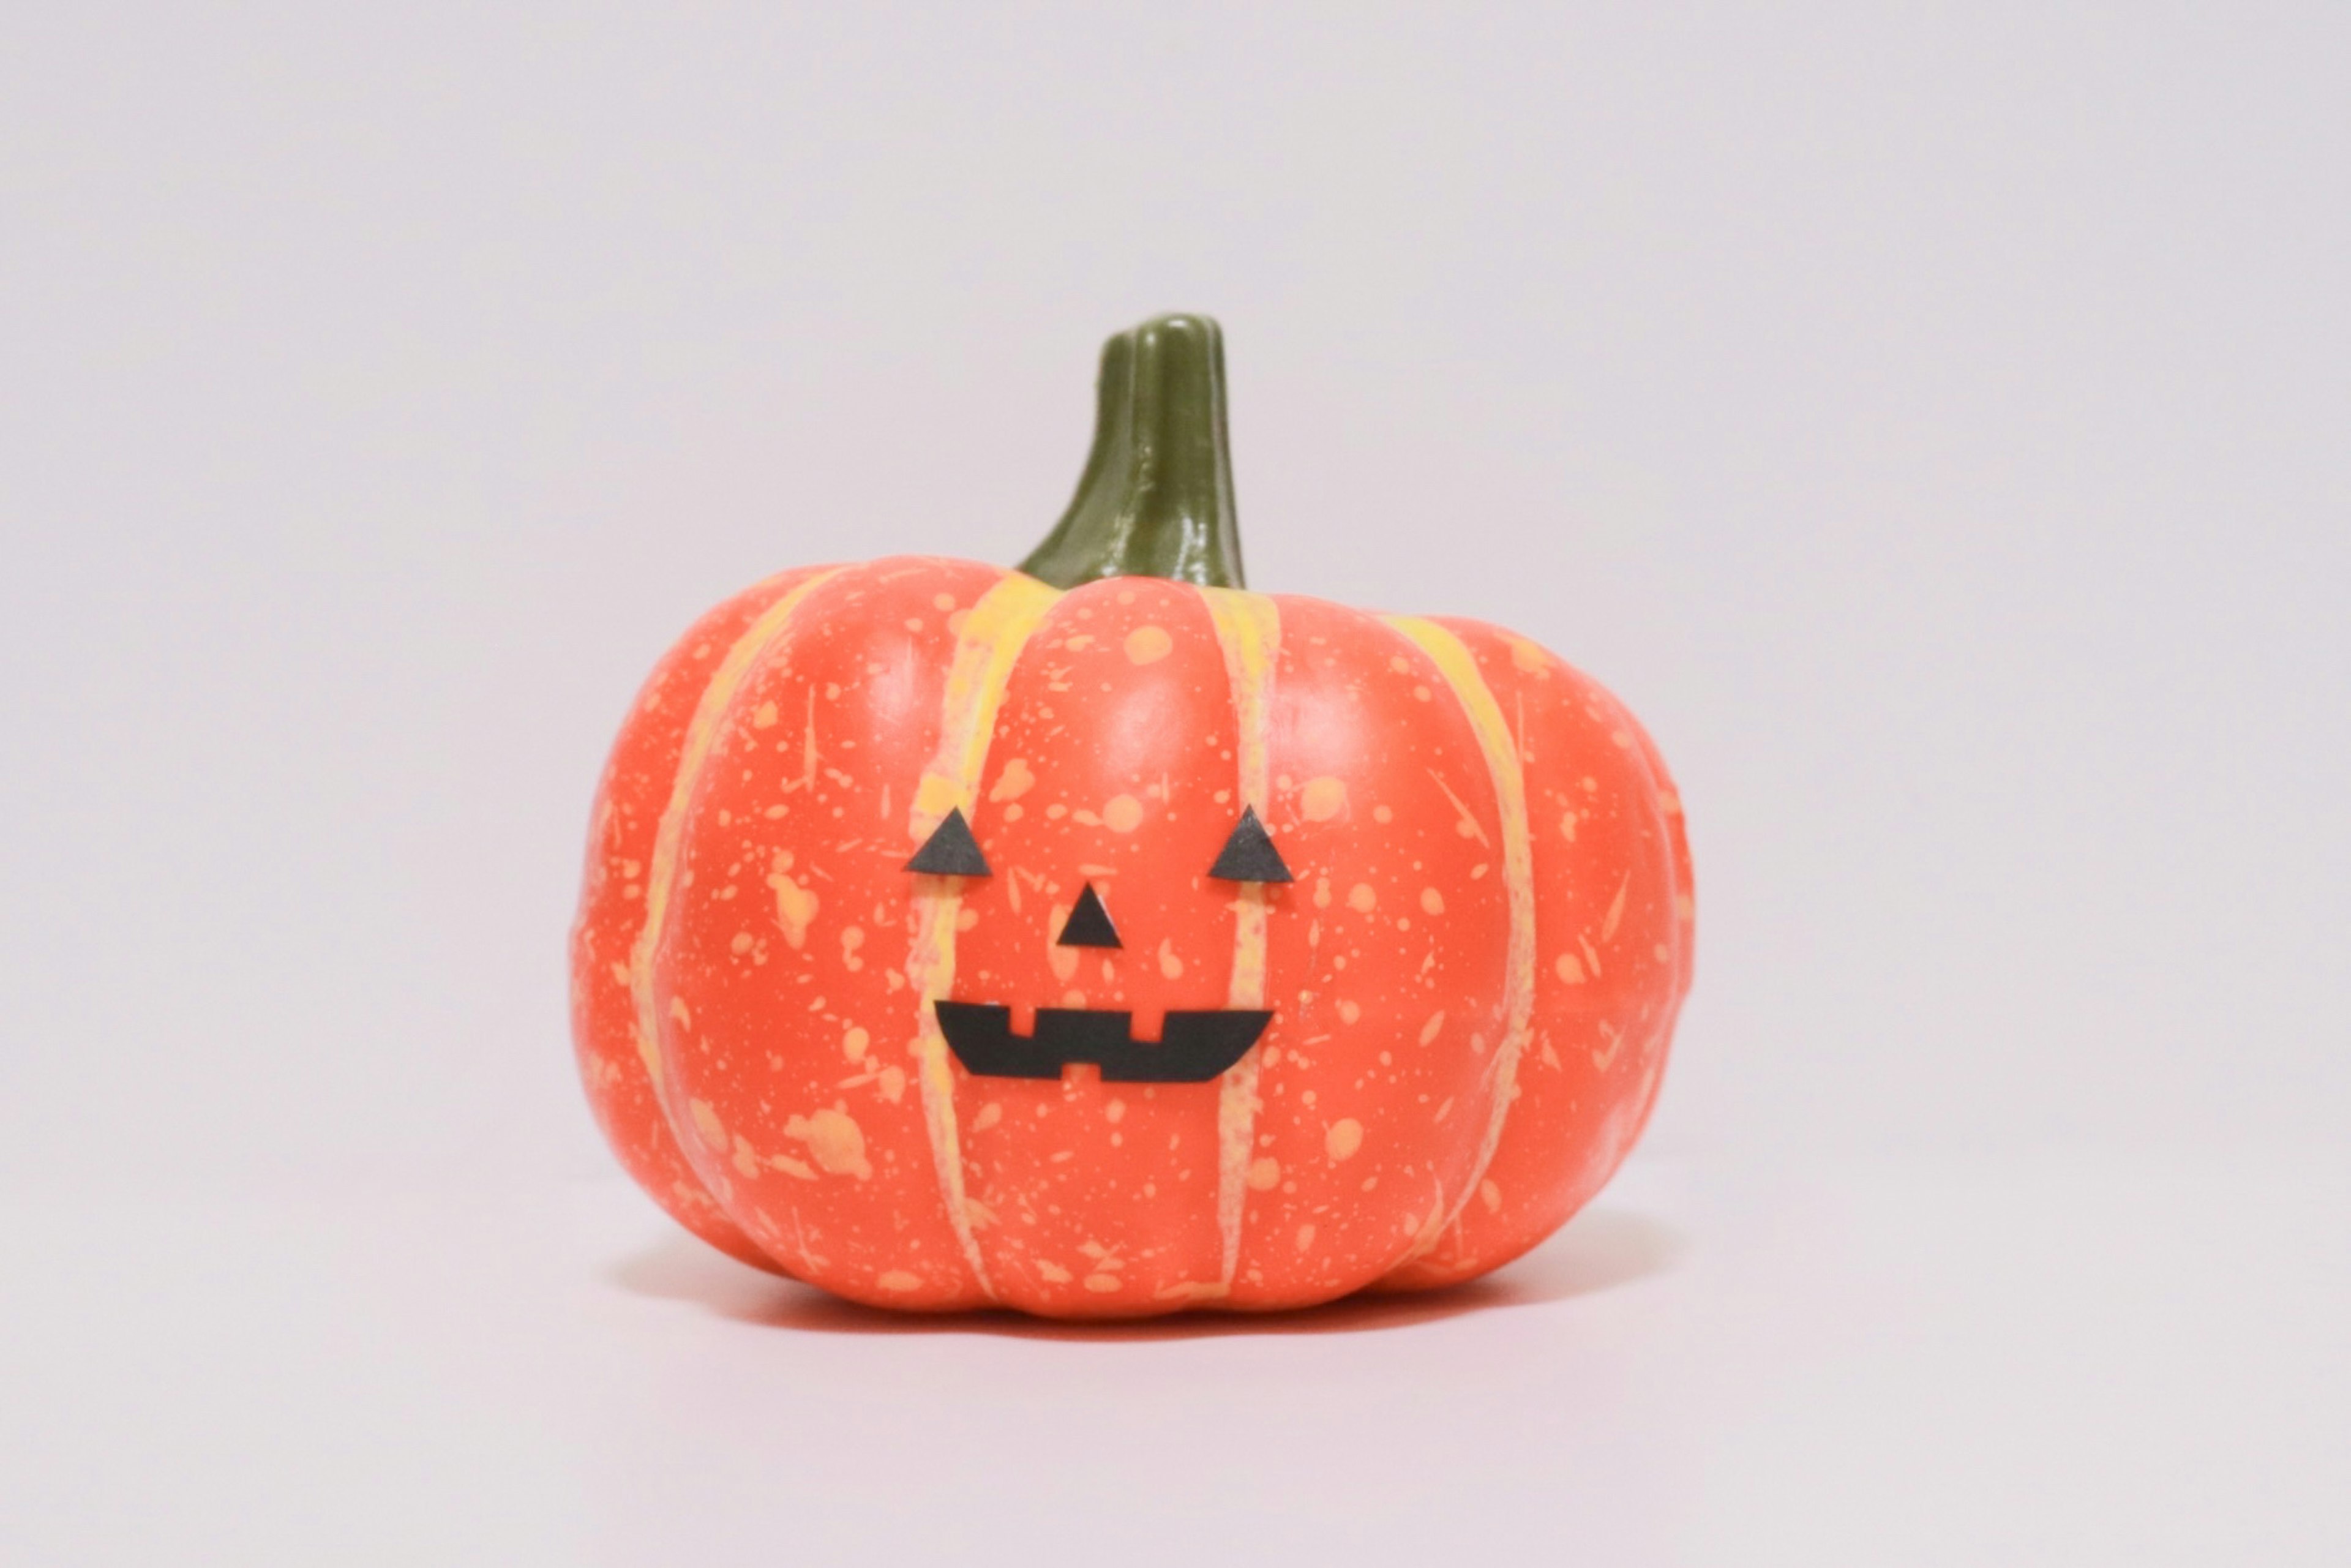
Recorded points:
(1099, 938)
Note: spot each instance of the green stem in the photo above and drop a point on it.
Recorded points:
(1156, 496)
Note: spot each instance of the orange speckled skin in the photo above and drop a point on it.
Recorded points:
(1473, 978)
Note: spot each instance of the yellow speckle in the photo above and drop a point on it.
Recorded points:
(1567, 826)
(1349, 1011)
(1491, 1195)
(1169, 964)
(1345, 1136)
(853, 1044)
(1400, 664)
(705, 1122)
(1683, 906)
(741, 944)
(1015, 781)
(989, 1114)
(1123, 815)
(835, 1142)
(1432, 901)
(913, 624)
(852, 937)
(1569, 969)
(1079, 642)
(1323, 798)
(798, 1170)
(1525, 654)
(1265, 1174)
(1420, 694)
(1115, 1112)
(1321, 892)
(678, 1015)
(1616, 909)
(966, 917)
(1305, 1237)
(892, 1082)
(1148, 644)
(1384, 813)
(1074, 999)
(1360, 898)
(765, 717)
(1428, 1030)
(1012, 813)
(899, 1279)
(1052, 1273)
(795, 908)
(942, 601)
(1102, 1284)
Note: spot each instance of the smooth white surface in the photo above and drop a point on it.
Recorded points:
(1934, 421)
(2051, 1362)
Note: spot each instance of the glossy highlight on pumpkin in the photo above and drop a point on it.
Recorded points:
(1399, 1062)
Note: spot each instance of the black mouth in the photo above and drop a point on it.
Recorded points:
(1193, 1047)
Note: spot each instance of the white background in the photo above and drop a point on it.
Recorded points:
(1935, 421)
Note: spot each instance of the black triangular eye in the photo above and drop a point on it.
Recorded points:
(1089, 923)
(1249, 855)
(950, 851)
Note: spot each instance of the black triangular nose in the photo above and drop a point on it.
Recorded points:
(1249, 855)
(1089, 923)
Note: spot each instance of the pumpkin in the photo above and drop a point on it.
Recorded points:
(1100, 938)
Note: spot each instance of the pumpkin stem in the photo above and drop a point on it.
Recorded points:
(1156, 496)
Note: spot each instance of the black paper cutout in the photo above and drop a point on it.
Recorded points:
(1249, 855)
(1089, 923)
(950, 851)
(1193, 1047)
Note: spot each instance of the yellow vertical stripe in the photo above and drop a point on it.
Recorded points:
(701, 734)
(994, 633)
(1460, 668)
(1248, 628)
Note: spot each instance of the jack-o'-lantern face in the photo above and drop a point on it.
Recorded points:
(1195, 1045)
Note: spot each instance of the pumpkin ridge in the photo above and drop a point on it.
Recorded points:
(701, 734)
(603, 939)
(987, 649)
(1651, 766)
(1249, 629)
(1469, 688)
